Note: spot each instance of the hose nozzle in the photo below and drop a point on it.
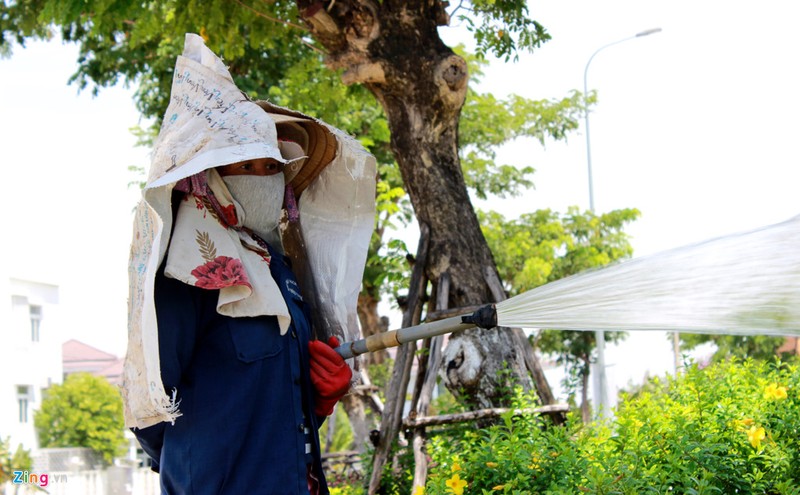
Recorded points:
(486, 317)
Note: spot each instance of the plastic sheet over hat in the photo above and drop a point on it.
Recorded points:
(337, 215)
(208, 122)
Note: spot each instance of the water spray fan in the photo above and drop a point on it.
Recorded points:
(746, 284)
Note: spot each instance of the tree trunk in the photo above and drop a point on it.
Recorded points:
(393, 48)
(371, 323)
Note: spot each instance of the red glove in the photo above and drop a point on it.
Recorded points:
(330, 375)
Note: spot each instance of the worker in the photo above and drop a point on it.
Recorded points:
(224, 384)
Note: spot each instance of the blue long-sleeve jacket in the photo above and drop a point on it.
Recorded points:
(245, 395)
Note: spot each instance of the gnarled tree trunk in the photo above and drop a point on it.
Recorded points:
(393, 48)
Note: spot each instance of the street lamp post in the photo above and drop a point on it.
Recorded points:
(600, 337)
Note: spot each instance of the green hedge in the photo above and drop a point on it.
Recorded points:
(730, 428)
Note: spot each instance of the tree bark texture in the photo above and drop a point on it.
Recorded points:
(393, 48)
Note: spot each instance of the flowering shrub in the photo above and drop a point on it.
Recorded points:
(347, 490)
(730, 428)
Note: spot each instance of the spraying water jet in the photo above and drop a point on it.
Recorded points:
(746, 284)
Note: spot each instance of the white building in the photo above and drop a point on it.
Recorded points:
(30, 355)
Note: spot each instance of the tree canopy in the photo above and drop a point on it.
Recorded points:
(735, 346)
(84, 411)
(136, 43)
(10, 461)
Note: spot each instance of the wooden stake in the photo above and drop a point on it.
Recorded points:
(398, 384)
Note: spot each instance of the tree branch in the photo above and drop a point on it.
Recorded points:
(480, 414)
(458, 7)
(273, 19)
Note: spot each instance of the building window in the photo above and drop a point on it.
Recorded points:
(36, 322)
(24, 398)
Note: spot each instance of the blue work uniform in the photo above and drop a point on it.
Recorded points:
(245, 396)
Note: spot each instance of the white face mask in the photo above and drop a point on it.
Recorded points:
(261, 197)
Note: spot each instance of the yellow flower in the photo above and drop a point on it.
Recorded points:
(774, 392)
(498, 488)
(456, 484)
(756, 435)
(420, 490)
(492, 464)
(204, 34)
(456, 467)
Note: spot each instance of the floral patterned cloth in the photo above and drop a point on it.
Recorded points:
(213, 252)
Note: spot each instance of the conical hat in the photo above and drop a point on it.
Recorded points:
(316, 140)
